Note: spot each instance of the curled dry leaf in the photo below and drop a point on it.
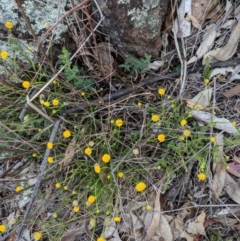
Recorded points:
(206, 45)
(227, 51)
(232, 189)
(195, 226)
(219, 123)
(219, 168)
(193, 20)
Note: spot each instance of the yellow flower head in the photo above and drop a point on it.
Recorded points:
(155, 118)
(161, 91)
(82, 93)
(4, 54)
(183, 122)
(206, 81)
(201, 176)
(37, 236)
(58, 185)
(66, 134)
(101, 239)
(8, 24)
(47, 25)
(234, 123)
(50, 145)
(97, 168)
(18, 189)
(54, 81)
(75, 203)
(55, 102)
(65, 188)
(76, 209)
(213, 139)
(148, 207)
(26, 84)
(182, 138)
(117, 219)
(135, 151)
(141, 186)
(74, 192)
(120, 174)
(34, 155)
(2, 228)
(54, 112)
(186, 133)
(92, 222)
(91, 143)
(88, 151)
(50, 160)
(119, 122)
(91, 199)
(139, 104)
(106, 158)
(46, 103)
(161, 137)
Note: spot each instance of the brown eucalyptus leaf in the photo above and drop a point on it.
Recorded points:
(195, 226)
(232, 189)
(151, 230)
(230, 48)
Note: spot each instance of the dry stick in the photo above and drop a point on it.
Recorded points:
(148, 81)
(39, 178)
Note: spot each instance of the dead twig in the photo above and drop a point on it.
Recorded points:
(39, 178)
(146, 82)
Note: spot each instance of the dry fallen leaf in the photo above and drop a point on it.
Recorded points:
(233, 91)
(71, 235)
(195, 226)
(219, 168)
(201, 100)
(111, 230)
(179, 225)
(156, 65)
(232, 189)
(234, 169)
(219, 123)
(230, 48)
(194, 21)
(151, 230)
(226, 52)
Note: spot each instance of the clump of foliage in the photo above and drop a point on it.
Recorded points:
(72, 72)
(133, 64)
